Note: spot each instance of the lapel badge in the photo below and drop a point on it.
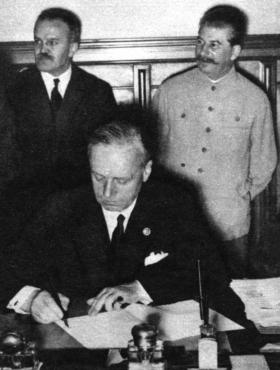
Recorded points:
(146, 231)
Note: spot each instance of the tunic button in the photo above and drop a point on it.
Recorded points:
(210, 109)
(183, 115)
(237, 118)
(208, 129)
(200, 170)
(204, 149)
(213, 88)
(183, 164)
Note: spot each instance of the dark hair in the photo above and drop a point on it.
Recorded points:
(71, 19)
(131, 124)
(222, 16)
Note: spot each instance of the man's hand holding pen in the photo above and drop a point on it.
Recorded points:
(44, 308)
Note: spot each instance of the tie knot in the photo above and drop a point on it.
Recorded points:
(120, 219)
(56, 82)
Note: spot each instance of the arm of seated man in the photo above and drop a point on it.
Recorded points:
(113, 298)
(21, 302)
(44, 308)
(38, 303)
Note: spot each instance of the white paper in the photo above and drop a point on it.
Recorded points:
(105, 330)
(113, 329)
(261, 298)
(245, 362)
(271, 347)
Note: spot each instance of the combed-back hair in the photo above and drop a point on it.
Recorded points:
(67, 16)
(222, 16)
(131, 124)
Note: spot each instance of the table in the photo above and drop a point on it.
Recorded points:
(59, 351)
(56, 349)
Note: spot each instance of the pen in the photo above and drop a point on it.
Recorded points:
(55, 296)
(203, 304)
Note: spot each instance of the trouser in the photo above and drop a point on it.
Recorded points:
(236, 255)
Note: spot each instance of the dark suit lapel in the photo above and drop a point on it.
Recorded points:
(39, 99)
(136, 243)
(140, 222)
(92, 236)
(74, 94)
(91, 243)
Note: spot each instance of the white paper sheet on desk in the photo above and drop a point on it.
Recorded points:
(245, 362)
(113, 329)
(261, 298)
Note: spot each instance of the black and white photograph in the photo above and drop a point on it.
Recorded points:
(139, 184)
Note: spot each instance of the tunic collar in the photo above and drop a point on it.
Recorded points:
(230, 76)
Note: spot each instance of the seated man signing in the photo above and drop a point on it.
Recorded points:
(126, 239)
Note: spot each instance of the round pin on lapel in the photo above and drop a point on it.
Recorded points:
(146, 231)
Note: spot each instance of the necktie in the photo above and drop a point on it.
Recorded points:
(56, 98)
(115, 244)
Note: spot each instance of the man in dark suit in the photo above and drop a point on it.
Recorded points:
(56, 106)
(153, 259)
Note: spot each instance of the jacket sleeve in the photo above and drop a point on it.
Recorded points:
(263, 155)
(29, 260)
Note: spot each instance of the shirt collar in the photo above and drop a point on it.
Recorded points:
(111, 217)
(125, 212)
(64, 79)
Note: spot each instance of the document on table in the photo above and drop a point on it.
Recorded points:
(261, 298)
(113, 329)
(245, 362)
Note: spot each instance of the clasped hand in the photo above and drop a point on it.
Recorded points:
(114, 298)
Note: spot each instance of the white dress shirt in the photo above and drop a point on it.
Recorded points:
(64, 79)
(111, 218)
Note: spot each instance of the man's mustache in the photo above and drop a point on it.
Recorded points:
(206, 60)
(44, 56)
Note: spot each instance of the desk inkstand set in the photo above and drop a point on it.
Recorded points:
(17, 353)
(146, 352)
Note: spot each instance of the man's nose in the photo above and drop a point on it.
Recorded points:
(108, 189)
(42, 47)
(204, 50)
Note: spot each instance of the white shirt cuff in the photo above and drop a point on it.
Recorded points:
(20, 298)
(144, 296)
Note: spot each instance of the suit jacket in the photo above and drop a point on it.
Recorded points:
(54, 153)
(69, 241)
(52, 156)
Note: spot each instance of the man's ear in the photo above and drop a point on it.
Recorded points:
(147, 170)
(236, 50)
(73, 49)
